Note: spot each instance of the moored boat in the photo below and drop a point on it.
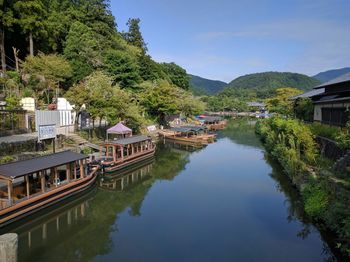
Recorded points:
(197, 135)
(122, 153)
(214, 122)
(30, 185)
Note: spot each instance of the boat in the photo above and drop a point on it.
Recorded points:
(119, 154)
(30, 185)
(195, 135)
(214, 122)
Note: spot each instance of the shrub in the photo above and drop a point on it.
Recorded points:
(316, 200)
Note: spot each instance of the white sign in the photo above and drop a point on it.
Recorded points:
(46, 132)
(152, 128)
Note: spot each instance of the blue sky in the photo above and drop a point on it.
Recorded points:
(224, 39)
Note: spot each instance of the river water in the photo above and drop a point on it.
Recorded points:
(225, 202)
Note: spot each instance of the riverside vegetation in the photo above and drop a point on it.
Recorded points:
(326, 198)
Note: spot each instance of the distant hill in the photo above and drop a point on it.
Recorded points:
(201, 86)
(331, 74)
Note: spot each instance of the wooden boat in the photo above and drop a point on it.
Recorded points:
(197, 135)
(122, 153)
(31, 185)
(214, 122)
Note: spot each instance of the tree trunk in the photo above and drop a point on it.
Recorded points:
(31, 47)
(2, 50)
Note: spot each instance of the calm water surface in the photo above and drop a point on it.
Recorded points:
(225, 202)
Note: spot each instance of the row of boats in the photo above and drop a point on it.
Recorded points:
(30, 185)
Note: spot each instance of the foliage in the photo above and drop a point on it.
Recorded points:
(225, 103)
(6, 159)
(290, 142)
(178, 76)
(343, 138)
(123, 68)
(103, 100)
(134, 36)
(53, 68)
(86, 151)
(330, 132)
(316, 200)
(281, 101)
(304, 109)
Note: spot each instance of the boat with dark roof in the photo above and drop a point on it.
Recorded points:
(194, 135)
(119, 154)
(30, 185)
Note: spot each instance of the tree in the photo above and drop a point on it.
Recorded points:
(281, 103)
(123, 68)
(304, 109)
(7, 20)
(82, 50)
(160, 98)
(31, 15)
(48, 70)
(178, 76)
(134, 36)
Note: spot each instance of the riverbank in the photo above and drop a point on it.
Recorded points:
(325, 196)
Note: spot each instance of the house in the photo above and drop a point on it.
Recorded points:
(174, 120)
(332, 101)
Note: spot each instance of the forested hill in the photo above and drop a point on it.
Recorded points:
(200, 85)
(263, 85)
(331, 74)
(74, 47)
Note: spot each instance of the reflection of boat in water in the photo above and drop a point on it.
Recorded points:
(128, 178)
(31, 185)
(194, 135)
(123, 153)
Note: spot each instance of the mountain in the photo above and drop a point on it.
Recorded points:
(200, 85)
(331, 74)
(262, 85)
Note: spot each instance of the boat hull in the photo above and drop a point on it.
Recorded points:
(121, 166)
(39, 202)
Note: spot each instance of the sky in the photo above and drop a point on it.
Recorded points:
(224, 39)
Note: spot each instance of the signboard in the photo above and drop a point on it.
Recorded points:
(46, 132)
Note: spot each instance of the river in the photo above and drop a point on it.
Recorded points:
(225, 202)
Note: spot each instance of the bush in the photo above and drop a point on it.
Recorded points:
(86, 151)
(330, 132)
(316, 200)
(289, 141)
(6, 159)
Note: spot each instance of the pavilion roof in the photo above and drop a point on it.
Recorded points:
(130, 140)
(119, 129)
(24, 167)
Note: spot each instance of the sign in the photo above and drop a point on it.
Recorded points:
(46, 132)
(152, 128)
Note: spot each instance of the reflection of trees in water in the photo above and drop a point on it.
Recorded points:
(83, 236)
(295, 207)
(241, 131)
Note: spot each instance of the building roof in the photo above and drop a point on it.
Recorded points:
(22, 168)
(311, 93)
(119, 129)
(130, 140)
(338, 80)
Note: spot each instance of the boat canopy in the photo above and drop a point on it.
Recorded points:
(211, 119)
(187, 129)
(30, 166)
(119, 129)
(130, 140)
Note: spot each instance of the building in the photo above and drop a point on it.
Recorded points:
(332, 105)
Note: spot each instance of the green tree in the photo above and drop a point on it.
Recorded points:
(123, 68)
(134, 36)
(304, 109)
(49, 70)
(281, 102)
(178, 76)
(82, 50)
(31, 18)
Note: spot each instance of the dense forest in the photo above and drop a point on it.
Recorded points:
(71, 48)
